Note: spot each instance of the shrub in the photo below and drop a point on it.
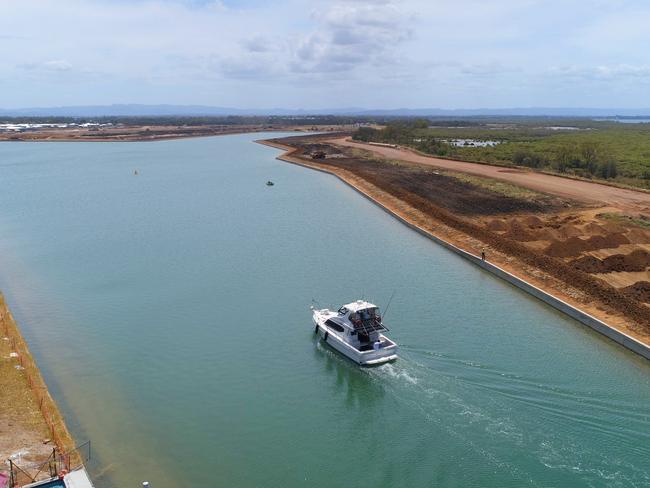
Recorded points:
(607, 169)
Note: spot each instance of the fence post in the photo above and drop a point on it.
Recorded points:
(53, 466)
(12, 479)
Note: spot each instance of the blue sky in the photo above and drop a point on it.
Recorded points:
(326, 54)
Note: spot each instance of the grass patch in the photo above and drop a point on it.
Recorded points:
(626, 219)
(496, 186)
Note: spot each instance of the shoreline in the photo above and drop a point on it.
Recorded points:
(30, 389)
(563, 304)
(157, 133)
(132, 138)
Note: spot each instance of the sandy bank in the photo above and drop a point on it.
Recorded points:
(31, 425)
(143, 133)
(128, 134)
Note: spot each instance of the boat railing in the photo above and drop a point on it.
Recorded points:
(369, 325)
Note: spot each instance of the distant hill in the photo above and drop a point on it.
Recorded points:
(522, 112)
(129, 110)
(202, 110)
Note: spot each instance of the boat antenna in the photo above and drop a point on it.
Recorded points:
(389, 302)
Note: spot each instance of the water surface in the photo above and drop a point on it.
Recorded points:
(169, 314)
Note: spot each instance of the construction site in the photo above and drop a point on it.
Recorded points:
(586, 243)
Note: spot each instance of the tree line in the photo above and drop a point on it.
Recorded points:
(587, 159)
(583, 159)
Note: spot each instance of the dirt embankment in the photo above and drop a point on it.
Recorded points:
(30, 422)
(539, 237)
(584, 191)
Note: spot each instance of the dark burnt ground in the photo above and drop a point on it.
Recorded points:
(312, 141)
(440, 189)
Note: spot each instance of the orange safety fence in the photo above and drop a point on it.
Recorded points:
(50, 412)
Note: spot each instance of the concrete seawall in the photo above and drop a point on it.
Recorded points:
(590, 321)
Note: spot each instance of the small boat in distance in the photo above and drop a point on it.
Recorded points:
(355, 330)
(269, 183)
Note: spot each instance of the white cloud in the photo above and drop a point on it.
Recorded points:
(452, 53)
(53, 65)
(612, 73)
(345, 37)
(352, 35)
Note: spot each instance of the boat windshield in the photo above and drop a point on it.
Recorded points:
(343, 311)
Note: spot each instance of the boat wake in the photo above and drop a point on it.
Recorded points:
(398, 373)
(530, 427)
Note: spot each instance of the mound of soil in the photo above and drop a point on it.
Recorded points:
(564, 249)
(613, 227)
(497, 225)
(545, 234)
(567, 231)
(638, 236)
(639, 290)
(610, 241)
(636, 261)
(574, 245)
(518, 232)
(572, 219)
(588, 264)
(594, 229)
(533, 222)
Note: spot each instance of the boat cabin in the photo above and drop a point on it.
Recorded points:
(361, 323)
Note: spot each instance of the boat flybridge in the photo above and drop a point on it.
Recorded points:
(355, 330)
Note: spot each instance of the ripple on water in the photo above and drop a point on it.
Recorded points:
(171, 312)
(524, 413)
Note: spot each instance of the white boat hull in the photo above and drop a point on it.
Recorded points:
(372, 357)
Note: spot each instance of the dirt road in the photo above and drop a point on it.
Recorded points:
(584, 191)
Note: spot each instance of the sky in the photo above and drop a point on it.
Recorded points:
(320, 54)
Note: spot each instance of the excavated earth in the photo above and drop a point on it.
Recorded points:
(637, 260)
(613, 253)
(575, 243)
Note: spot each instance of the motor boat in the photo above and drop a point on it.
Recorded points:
(356, 331)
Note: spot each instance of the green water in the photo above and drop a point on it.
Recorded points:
(169, 314)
